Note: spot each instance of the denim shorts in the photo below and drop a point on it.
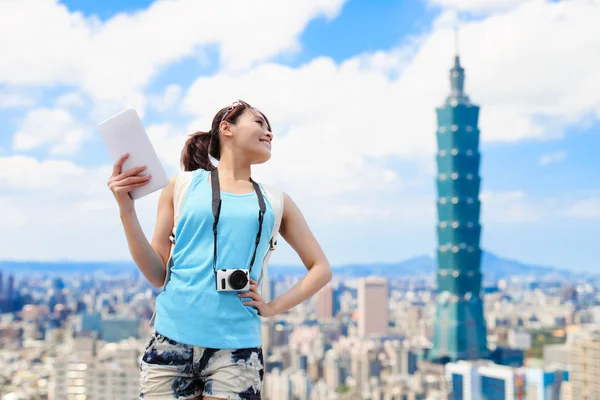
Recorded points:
(172, 370)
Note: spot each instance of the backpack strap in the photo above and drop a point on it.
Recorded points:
(182, 183)
(276, 199)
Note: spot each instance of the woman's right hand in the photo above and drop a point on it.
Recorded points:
(121, 183)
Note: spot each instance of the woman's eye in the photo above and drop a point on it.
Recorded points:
(259, 122)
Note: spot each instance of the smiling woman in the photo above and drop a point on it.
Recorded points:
(207, 339)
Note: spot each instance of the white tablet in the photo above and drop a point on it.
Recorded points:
(124, 133)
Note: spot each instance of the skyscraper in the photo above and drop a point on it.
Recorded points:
(459, 327)
(373, 307)
(585, 364)
(325, 300)
(11, 286)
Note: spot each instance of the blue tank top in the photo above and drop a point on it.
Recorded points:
(190, 310)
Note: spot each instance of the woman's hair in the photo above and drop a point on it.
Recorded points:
(201, 145)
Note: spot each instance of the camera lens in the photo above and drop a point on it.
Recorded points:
(238, 279)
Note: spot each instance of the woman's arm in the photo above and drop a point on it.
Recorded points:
(296, 232)
(152, 259)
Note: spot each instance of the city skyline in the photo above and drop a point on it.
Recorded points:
(369, 195)
(99, 324)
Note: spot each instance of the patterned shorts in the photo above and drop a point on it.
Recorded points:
(172, 370)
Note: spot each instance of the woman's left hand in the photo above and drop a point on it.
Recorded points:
(265, 310)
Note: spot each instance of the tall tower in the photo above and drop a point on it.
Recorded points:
(459, 326)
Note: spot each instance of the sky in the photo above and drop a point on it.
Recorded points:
(350, 87)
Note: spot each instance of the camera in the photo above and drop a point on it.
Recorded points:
(233, 280)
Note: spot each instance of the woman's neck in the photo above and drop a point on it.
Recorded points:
(234, 169)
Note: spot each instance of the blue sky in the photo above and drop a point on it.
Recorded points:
(352, 83)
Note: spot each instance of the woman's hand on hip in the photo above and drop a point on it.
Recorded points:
(265, 310)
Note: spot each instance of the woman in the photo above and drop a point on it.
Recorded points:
(207, 342)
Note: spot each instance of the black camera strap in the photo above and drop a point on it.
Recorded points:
(216, 208)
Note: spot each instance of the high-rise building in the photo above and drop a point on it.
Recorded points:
(459, 327)
(115, 329)
(543, 384)
(268, 289)
(324, 306)
(373, 312)
(11, 286)
(333, 372)
(278, 385)
(89, 379)
(585, 365)
(92, 373)
(482, 379)
(337, 294)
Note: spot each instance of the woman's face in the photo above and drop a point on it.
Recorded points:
(251, 136)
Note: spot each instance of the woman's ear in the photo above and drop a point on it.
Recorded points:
(225, 128)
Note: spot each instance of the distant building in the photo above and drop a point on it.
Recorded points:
(519, 339)
(585, 365)
(268, 287)
(557, 354)
(91, 322)
(459, 327)
(373, 315)
(325, 303)
(484, 380)
(119, 328)
(11, 287)
(112, 373)
(544, 385)
(508, 356)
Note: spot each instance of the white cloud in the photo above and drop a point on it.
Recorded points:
(343, 118)
(53, 127)
(28, 174)
(167, 100)
(551, 158)
(78, 228)
(513, 207)
(168, 141)
(13, 216)
(478, 6)
(15, 100)
(114, 60)
(586, 209)
(64, 210)
(69, 100)
(369, 112)
(519, 208)
(520, 80)
(61, 208)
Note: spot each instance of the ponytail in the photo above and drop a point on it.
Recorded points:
(198, 149)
